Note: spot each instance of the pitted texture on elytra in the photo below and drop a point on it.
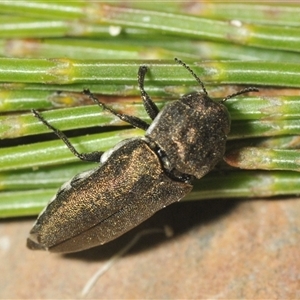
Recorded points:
(130, 187)
(196, 128)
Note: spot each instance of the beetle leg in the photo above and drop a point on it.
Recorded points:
(92, 156)
(150, 107)
(134, 121)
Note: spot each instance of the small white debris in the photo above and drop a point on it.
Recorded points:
(4, 243)
(146, 19)
(236, 23)
(114, 30)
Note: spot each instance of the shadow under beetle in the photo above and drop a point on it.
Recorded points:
(139, 176)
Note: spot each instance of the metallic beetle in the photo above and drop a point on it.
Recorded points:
(139, 176)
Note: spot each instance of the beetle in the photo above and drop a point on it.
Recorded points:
(137, 177)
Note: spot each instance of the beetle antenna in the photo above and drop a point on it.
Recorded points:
(243, 91)
(192, 72)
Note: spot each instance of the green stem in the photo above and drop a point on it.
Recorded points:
(12, 126)
(134, 47)
(12, 26)
(254, 158)
(258, 128)
(40, 9)
(264, 36)
(277, 142)
(213, 186)
(56, 152)
(280, 13)
(24, 203)
(89, 49)
(66, 71)
(237, 184)
(42, 177)
(199, 28)
(252, 116)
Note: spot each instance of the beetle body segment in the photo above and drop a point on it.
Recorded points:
(127, 189)
(192, 132)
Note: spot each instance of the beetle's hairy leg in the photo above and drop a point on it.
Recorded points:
(132, 120)
(92, 156)
(150, 107)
